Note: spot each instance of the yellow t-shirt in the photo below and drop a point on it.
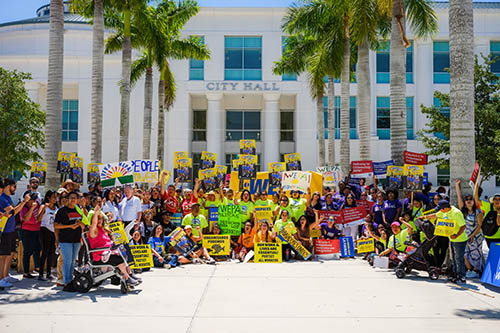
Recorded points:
(456, 215)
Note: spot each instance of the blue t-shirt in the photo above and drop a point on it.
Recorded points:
(377, 213)
(390, 208)
(6, 201)
(158, 245)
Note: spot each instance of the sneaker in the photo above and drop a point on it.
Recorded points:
(132, 282)
(135, 277)
(69, 288)
(167, 266)
(50, 277)
(60, 283)
(196, 261)
(211, 261)
(452, 279)
(471, 275)
(461, 280)
(5, 284)
(41, 278)
(12, 279)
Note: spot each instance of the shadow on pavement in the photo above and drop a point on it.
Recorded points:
(493, 314)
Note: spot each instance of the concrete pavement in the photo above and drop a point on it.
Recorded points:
(346, 295)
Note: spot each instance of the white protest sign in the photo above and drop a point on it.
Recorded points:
(332, 175)
(144, 171)
(296, 180)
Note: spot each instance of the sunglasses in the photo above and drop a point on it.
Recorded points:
(469, 199)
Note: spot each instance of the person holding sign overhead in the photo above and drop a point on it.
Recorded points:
(458, 239)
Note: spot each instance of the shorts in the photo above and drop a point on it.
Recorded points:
(114, 260)
(7, 243)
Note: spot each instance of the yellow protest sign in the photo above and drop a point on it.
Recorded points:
(366, 245)
(263, 214)
(168, 174)
(267, 253)
(3, 222)
(143, 258)
(217, 245)
(118, 232)
(315, 233)
(39, 170)
(286, 235)
(261, 183)
(444, 227)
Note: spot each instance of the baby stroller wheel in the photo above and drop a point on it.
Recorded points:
(400, 273)
(123, 287)
(83, 282)
(408, 269)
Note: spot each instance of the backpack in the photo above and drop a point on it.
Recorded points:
(490, 226)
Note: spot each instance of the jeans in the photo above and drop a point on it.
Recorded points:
(31, 247)
(69, 252)
(48, 240)
(458, 260)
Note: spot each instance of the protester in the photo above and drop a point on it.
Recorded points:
(130, 207)
(264, 235)
(46, 218)
(159, 246)
(200, 250)
(245, 241)
(283, 222)
(398, 238)
(392, 207)
(246, 205)
(30, 233)
(328, 229)
(195, 219)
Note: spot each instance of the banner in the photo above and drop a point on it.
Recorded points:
(293, 162)
(209, 180)
(296, 181)
(143, 257)
(76, 172)
(267, 253)
(366, 245)
(181, 242)
(39, 170)
(380, 168)
(217, 245)
(395, 176)
(475, 176)
(263, 214)
(93, 173)
(247, 167)
(326, 248)
(346, 247)
(64, 162)
(183, 169)
(118, 232)
(208, 160)
(415, 158)
(361, 169)
(355, 214)
(286, 235)
(324, 215)
(414, 177)
(248, 147)
(276, 170)
(491, 273)
(444, 227)
(332, 175)
(367, 204)
(230, 220)
(142, 171)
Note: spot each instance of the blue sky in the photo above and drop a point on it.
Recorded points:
(12, 10)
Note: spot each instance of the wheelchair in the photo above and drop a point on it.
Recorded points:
(93, 274)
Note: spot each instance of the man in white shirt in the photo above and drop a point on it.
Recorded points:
(130, 206)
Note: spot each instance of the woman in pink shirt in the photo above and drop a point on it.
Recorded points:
(30, 233)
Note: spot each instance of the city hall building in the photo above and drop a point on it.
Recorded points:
(235, 94)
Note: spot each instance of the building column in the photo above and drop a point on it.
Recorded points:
(271, 142)
(423, 78)
(215, 128)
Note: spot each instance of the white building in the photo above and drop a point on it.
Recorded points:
(235, 94)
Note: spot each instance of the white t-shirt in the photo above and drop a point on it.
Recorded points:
(48, 218)
(129, 209)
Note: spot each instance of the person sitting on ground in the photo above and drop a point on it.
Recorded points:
(328, 229)
(264, 235)
(398, 238)
(200, 250)
(245, 241)
(380, 238)
(303, 234)
(159, 246)
(282, 222)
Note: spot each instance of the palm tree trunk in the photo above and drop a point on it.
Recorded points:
(462, 140)
(97, 82)
(398, 84)
(125, 88)
(363, 76)
(331, 121)
(345, 149)
(148, 108)
(53, 127)
(320, 122)
(161, 121)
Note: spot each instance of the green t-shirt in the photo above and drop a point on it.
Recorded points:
(297, 207)
(246, 210)
(215, 203)
(199, 220)
(485, 207)
(228, 202)
(280, 224)
(264, 203)
(456, 215)
(401, 238)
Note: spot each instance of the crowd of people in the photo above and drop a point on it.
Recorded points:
(50, 227)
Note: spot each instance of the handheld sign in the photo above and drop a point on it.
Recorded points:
(415, 158)
(181, 242)
(263, 214)
(268, 253)
(230, 220)
(286, 235)
(143, 258)
(444, 227)
(380, 168)
(217, 245)
(475, 176)
(325, 249)
(247, 147)
(293, 162)
(413, 177)
(39, 170)
(361, 169)
(296, 180)
(395, 176)
(366, 245)
(276, 169)
(346, 247)
(118, 232)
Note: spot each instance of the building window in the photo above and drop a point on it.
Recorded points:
(196, 164)
(495, 52)
(242, 125)
(199, 125)
(286, 126)
(443, 176)
(286, 76)
(70, 120)
(384, 118)
(445, 111)
(383, 63)
(231, 157)
(441, 59)
(353, 133)
(243, 58)
(196, 67)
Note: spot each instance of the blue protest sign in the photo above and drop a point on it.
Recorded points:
(380, 168)
(491, 273)
(346, 247)
(426, 178)
(213, 214)
(176, 219)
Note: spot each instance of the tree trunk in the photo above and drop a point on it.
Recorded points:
(398, 85)
(345, 149)
(97, 82)
(125, 89)
(161, 122)
(331, 121)
(53, 127)
(320, 122)
(364, 96)
(462, 140)
(148, 108)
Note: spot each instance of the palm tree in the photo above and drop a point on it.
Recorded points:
(331, 120)
(345, 84)
(462, 140)
(53, 128)
(423, 22)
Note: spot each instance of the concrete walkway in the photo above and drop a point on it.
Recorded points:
(345, 296)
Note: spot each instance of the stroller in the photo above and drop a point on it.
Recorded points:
(94, 274)
(419, 258)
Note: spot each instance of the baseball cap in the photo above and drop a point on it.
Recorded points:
(497, 195)
(211, 192)
(188, 227)
(442, 205)
(395, 224)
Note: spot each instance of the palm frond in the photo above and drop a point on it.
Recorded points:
(188, 48)
(170, 86)
(139, 67)
(421, 17)
(113, 43)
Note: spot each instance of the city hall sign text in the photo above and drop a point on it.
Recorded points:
(242, 86)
